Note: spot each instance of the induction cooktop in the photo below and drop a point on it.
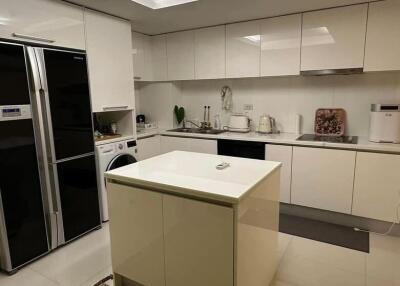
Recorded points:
(330, 139)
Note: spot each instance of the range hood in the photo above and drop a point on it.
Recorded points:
(332, 72)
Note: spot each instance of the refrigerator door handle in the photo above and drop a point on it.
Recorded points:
(40, 117)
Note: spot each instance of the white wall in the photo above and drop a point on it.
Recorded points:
(281, 97)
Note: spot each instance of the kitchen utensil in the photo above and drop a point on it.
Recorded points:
(264, 124)
(385, 123)
(239, 123)
(330, 122)
(179, 114)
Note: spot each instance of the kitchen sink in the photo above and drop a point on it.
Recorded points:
(198, 130)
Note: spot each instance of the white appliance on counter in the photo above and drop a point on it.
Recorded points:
(111, 156)
(385, 123)
(239, 123)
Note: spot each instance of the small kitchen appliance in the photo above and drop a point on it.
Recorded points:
(239, 123)
(385, 123)
(264, 124)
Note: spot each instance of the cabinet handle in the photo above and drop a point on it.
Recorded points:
(137, 78)
(111, 108)
(27, 37)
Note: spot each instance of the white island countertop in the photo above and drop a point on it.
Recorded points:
(195, 175)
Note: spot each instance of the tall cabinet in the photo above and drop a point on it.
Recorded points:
(109, 49)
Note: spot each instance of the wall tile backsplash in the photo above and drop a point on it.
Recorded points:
(281, 97)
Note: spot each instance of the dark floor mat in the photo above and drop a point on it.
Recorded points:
(325, 232)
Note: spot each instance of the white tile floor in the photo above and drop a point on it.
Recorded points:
(303, 263)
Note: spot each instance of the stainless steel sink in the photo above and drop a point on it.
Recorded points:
(198, 130)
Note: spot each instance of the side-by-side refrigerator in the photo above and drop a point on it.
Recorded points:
(48, 186)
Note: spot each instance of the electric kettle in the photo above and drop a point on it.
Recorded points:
(264, 124)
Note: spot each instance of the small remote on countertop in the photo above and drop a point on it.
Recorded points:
(222, 166)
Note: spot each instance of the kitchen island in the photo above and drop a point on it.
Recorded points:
(176, 220)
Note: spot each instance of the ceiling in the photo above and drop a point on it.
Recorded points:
(204, 13)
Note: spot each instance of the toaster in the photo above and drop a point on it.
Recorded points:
(385, 123)
(239, 123)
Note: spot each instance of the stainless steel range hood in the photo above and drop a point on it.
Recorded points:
(348, 71)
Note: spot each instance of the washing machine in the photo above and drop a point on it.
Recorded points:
(112, 156)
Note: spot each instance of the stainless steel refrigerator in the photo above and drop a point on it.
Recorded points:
(48, 186)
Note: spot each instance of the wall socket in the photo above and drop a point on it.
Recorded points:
(248, 107)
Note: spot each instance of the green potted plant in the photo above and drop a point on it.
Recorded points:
(179, 114)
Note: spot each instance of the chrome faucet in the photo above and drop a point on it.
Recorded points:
(191, 122)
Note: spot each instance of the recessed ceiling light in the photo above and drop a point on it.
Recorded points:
(158, 4)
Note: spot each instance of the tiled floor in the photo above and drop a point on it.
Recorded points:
(303, 263)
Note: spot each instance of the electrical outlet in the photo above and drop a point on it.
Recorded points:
(248, 107)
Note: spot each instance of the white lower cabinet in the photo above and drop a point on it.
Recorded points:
(189, 224)
(160, 246)
(204, 146)
(148, 147)
(323, 178)
(283, 154)
(377, 186)
(146, 241)
(169, 144)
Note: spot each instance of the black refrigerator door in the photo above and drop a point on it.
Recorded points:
(13, 75)
(21, 192)
(79, 196)
(69, 99)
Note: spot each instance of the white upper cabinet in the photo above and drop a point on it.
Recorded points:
(109, 50)
(210, 53)
(158, 66)
(334, 38)
(280, 46)
(44, 22)
(140, 46)
(377, 186)
(243, 49)
(180, 51)
(383, 36)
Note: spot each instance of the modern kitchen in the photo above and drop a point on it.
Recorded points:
(199, 142)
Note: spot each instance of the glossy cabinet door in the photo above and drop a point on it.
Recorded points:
(334, 38)
(323, 178)
(383, 36)
(148, 147)
(243, 49)
(204, 146)
(198, 239)
(377, 186)
(136, 229)
(138, 55)
(283, 154)
(158, 45)
(169, 144)
(180, 52)
(280, 46)
(109, 51)
(44, 22)
(210, 53)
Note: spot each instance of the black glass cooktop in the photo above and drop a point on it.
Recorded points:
(330, 139)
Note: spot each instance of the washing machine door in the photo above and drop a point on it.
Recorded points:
(120, 161)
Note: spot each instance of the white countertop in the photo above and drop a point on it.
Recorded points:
(290, 138)
(194, 174)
